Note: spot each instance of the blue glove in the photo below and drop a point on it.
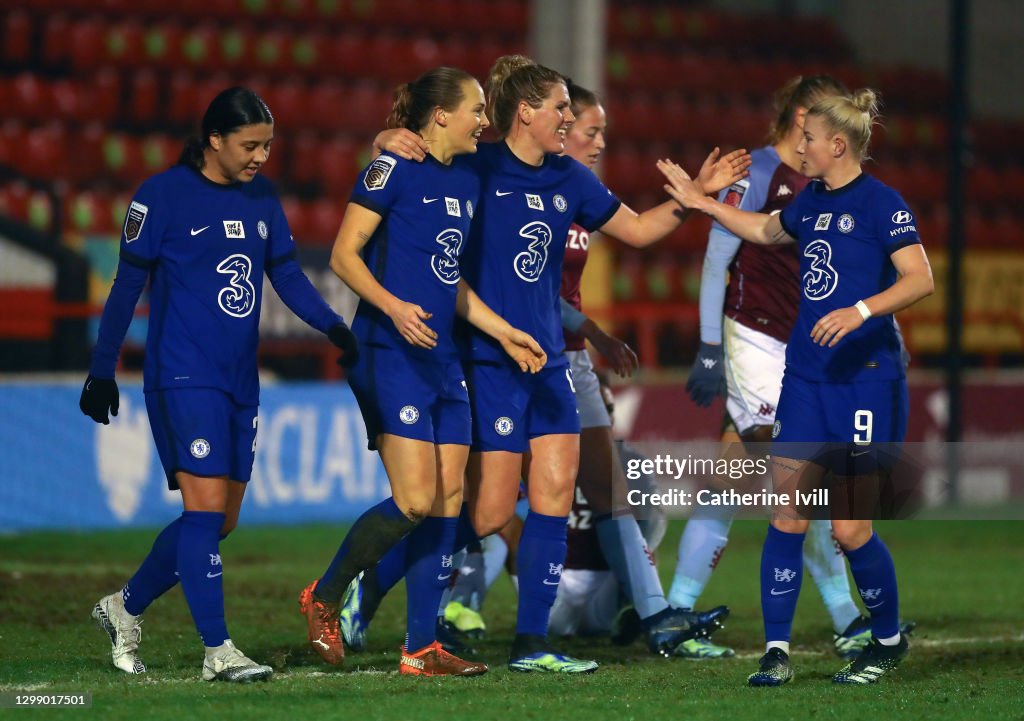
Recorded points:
(707, 378)
(343, 337)
(99, 395)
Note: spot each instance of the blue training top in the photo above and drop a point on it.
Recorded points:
(414, 253)
(205, 246)
(846, 237)
(514, 258)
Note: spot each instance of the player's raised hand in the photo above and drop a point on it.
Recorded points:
(401, 142)
(619, 355)
(720, 171)
(410, 320)
(833, 327)
(345, 340)
(524, 350)
(99, 395)
(681, 187)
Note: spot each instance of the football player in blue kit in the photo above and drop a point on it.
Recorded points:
(399, 248)
(203, 232)
(528, 426)
(844, 396)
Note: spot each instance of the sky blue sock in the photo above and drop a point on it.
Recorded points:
(626, 551)
(428, 569)
(157, 574)
(827, 566)
(202, 575)
(875, 574)
(701, 545)
(782, 571)
(540, 561)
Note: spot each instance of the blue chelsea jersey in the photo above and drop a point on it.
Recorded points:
(206, 246)
(514, 258)
(845, 238)
(426, 210)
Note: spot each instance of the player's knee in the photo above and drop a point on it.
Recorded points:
(490, 522)
(791, 525)
(851, 535)
(415, 504)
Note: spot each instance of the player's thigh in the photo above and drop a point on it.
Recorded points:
(754, 366)
(411, 467)
(550, 472)
(451, 464)
(492, 488)
(499, 396)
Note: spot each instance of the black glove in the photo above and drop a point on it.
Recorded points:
(99, 395)
(341, 336)
(707, 379)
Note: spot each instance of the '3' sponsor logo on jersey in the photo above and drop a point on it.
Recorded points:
(446, 265)
(238, 297)
(530, 263)
(821, 279)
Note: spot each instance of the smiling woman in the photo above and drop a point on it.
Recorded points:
(201, 383)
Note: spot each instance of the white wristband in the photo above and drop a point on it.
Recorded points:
(863, 309)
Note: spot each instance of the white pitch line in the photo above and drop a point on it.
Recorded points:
(914, 643)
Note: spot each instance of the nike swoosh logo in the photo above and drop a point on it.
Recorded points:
(854, 454)
(875, 606)
(197, 232)
(782, 593)
(443, 578)
(87, 385)
(550, 583)
(806, 218)
(502, 195)
(429, 200)
(214, 575)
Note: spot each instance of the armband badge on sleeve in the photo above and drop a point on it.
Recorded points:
(378, 173)
(134, 221)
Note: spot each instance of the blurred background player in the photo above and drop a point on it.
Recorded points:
(744, 352)
(843, 405)
(399, 248)
(203, 233)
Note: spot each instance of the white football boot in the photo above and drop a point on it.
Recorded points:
(124, 629)
(227, 663)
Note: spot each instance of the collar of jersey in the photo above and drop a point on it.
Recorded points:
(211, 183)
(839, 191)
(507, 151)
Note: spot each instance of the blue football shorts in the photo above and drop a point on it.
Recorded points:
(405, 396)
(202, 431)
(511, 407)
(850, 428)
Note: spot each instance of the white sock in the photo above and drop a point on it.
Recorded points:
(781, 645)
(890, 640)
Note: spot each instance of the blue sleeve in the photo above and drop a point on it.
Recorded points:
(597, 203)
(722, 248)
(291, 284)
(379, 184)
(894, 222)
(145, 223)
(572, 319)
(117, 316)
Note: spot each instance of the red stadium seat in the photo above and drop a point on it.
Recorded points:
(57, 43)
(88, 212)
(145, 100)
(16, 47)
(338, 168)
(304, 159)
(31, 97)
(198, 47)
(87, 46)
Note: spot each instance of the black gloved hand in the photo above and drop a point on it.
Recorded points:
(707, 378)
(98, 396)
(342, 336)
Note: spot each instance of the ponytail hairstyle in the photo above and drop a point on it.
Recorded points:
(230, 110)
(514, 79)
(852, 115)
(800, 92)
(580, 99)
(413, 104)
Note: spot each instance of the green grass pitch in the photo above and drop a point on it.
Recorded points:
(961, 581)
